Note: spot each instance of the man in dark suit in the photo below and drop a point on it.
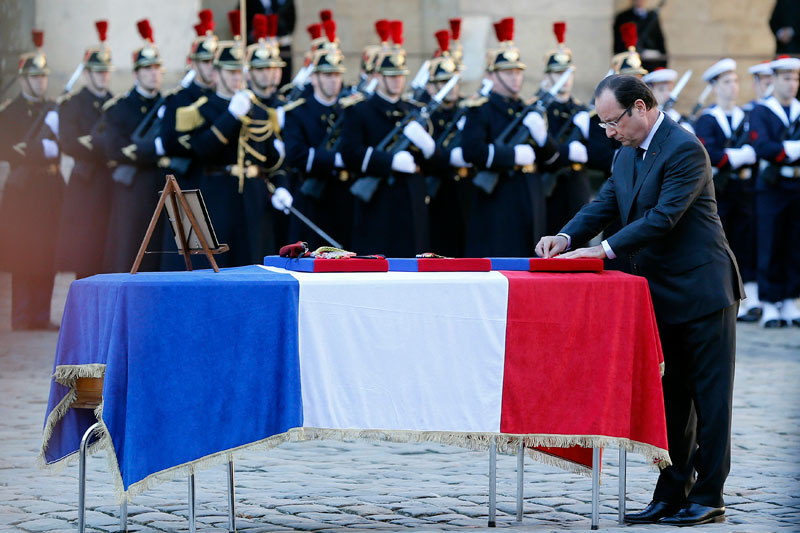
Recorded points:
(662, 190)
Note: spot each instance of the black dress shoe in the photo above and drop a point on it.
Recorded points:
(651, 514)
(775, 323)
(752, 315)
(694, 514)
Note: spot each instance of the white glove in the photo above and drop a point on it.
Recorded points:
(280, 147)
(739, 157)
(404, 162)
(792, 149)
(240, 104)
(457, 158)
(577, 152)
(461, 122)
(421, 138)
(281, 114)
(582, 121)
(161, 111)
(51, 119)
(535, 124)
(50, 148)
(338, 162)
(524, 155)
(160, 147)
(282, 200)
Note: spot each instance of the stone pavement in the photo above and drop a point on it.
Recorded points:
(329, 485)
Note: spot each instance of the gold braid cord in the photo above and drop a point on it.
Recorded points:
(256, 131)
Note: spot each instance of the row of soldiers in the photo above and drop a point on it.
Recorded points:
(381, 169)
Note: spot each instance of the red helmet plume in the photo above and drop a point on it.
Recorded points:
(102, 29)
(272, 25)
(508, 28)
(235, 22)
(145, 30)
(38, 38)
(260, 24)
(560, 29)
(629, 34)
(330, 29)
(382, 29)
(315, 31)
(455, 28)
(200, 29)
(443, 37)
(397, 32)
(325, 14)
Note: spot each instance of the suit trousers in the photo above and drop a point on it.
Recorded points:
(698, 399)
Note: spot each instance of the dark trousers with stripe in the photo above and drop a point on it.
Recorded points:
(778, 226)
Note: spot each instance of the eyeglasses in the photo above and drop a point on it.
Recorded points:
(614, 123)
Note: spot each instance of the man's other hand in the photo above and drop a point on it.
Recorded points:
(596, 252)
(550, 246)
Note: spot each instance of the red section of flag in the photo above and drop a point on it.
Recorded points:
(351, 265)
(555, 264)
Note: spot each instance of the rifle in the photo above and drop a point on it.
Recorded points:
(294, 89)
(34, 134)
(699, 105)
(419, 82)
(312, 185)
(364, 188)
(676, 91)
(516, 133)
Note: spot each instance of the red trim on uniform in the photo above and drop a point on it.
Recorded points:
(722, 161)
(780, 157)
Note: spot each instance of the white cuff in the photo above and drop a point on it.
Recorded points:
(310, 160)
(160, 147)
(365, 162)
(609, 252)
(569, 240)
(490, 159)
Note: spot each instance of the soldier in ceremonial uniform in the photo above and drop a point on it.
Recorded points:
(723, 130)
(131, 162)
(394, 220)
(448, 186)
(662, 81)
(628, 61)
(567, 187)
(505, 220)
(233, 137)
(84, 217)
(312, 136)
(31, 204)
(762, 83)
(775, 136)
(265, 62)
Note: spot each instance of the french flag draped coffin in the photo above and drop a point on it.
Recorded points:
(198, 364)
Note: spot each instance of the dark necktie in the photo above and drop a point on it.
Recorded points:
(637, 163)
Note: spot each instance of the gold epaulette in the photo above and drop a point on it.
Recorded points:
(273, 117)
(188, 118)
(592, 112)
(4, 105)
(291, 105)
(353, 99)
(473, 102)
(111, 102)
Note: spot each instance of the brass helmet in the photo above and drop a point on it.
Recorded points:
(265, 53)
(391, 60)
(329, 57)
(34, 63)
(443, 66)
(628, 62)
(560, 59)
(98, 58)
(456, 50)
(506, 55)
(370, 52)
(147, 54)
(230, 54)
(205, 45)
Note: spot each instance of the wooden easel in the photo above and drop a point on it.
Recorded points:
(173, 192)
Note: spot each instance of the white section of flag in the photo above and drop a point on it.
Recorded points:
(402, 350)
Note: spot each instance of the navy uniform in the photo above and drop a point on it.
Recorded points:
(312, 137)
(508, 221)
(231, 148)
(31, 202)
(394, 221)
(725, 135)
(87, 199)
(133, 167)
(773, 130)
(448, 186)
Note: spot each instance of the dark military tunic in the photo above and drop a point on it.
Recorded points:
(307, 126)
(243, 220)
(87, 200)
(29, 212)
(395, 221)
(136, 181)
(175, 143)
(509, 221)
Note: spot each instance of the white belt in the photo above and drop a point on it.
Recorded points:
(790, 172)
(742, 174)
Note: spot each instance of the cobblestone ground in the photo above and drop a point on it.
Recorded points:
(327, 485)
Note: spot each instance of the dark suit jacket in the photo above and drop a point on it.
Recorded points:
(670, 228)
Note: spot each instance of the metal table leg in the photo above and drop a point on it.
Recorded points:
(123, 515)
(82, 478)
(520, 477)
(492, 483)
(191, 505)
(623, 471)
(231, 500)
(595, 487)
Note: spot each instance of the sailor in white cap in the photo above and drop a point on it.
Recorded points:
(775, 135)
(662, 81)
(762, 83)
(723, 129)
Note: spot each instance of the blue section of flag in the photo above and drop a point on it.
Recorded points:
(403, 264)
(299, 264)
(511, 263)
(235, 380)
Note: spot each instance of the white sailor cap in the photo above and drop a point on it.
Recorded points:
(720, 67)
(660, 75)
(785, 63)
(761, 69)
